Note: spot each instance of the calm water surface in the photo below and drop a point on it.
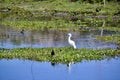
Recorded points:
(108, 69)
(12, 38)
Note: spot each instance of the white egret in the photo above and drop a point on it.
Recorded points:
(71, 42)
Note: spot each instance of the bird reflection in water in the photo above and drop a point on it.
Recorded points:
(69, 66)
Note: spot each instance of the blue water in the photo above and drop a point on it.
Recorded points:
(108, 69)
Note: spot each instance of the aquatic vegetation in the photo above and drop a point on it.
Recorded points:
(62, 55)
(52, 10)
(113, 38)
(36, 25)
(60, 15)
(56, 24)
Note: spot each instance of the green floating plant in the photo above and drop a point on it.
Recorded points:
(62, 55)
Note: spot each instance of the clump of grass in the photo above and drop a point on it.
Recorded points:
(35, 25)
(62, 55)
(108, 38)
(57, 14)
(32, 9)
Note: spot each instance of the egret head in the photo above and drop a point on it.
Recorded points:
(69, 34)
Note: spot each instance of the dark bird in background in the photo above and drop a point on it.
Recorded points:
(118, 47)
(52, 52)
(98, 9)
(22, 31)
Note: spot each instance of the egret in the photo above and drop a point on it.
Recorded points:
(71, 42)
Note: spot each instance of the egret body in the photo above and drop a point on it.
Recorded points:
(71, 42)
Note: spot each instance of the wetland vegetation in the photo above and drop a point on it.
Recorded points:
(66, 15)
(62, 55)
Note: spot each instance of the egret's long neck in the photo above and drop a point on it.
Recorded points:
(69, 38)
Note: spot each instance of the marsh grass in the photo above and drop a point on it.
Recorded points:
(58, 14)
(36, 25)
(25, 10)
(39, 15)
(59, 24)
(62, 55)
(113, 38)
(63, 5)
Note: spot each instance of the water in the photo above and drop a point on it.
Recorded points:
(12, 38)
(15, 69)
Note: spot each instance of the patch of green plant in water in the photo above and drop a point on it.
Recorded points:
(78, 6)
(28, 9)
(110, 28)
(35, 25)
(48, 19)
(56, 24)
(14, 13)
(113, 38)
(62, 55)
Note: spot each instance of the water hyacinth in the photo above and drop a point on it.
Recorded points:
(62, 55)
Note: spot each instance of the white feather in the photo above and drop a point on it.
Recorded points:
(71, 42)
